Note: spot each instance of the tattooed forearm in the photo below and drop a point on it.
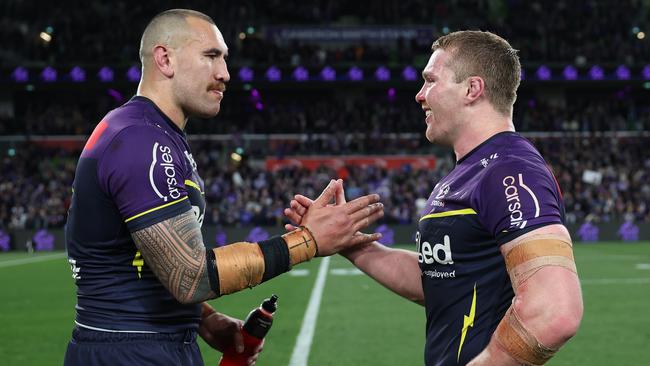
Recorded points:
(174, 251)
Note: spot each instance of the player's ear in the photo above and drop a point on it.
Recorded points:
(475, 88)
(162, 60)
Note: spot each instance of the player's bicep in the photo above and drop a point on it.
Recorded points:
(548, 246)
(174, 250)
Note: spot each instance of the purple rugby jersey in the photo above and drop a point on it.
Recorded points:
(136, 170)
(497, 192)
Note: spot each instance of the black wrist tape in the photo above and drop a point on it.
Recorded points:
(211, 267)
(276, 257)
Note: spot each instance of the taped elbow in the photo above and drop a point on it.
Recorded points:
(565, 322)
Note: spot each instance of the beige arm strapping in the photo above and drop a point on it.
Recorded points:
(529, 256)
(241, 265)
(522, 261)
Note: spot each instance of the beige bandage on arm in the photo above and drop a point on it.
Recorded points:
(529, 256)
(302, 245)
(240, 265)
(243, 265)
(522, 261)
(513, 337)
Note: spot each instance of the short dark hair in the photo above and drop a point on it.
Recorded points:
(484, 54)
(167, 18)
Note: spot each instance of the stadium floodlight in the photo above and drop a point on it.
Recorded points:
(78, 74)
(49, 74)
(328, 74)
(596, 73)
(259, 106)
(382, 73)
(246, 74)
(20, 74)
(409, 73)
(255, 94)
(133, 74)
(622, 72)
(273, 74)
(355, 73)
(300, 74)
(646, 72)
(570, 73)
(105, 74)
(543, 73)
(391, 94)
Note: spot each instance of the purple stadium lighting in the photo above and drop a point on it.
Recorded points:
(116, 95)
(543, 73)
(409, 73)
(596, 72)
(77, 74)
(646, 72)
(48, 74)
(255, 94)
(622, 72)
(328, 74)
(382, 73)
(355, 73)
(105, 74)
(246, 74)
(570, 73)
(20, 74)
(259, 106)
(391, 93)
(273, 74)
(301, 74)
(133, 74)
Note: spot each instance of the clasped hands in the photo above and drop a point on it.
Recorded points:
(335, 226)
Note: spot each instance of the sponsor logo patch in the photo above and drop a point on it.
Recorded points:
(163, 160)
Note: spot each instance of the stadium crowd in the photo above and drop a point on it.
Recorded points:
(580, 32)
(364, 118)
(36, 191)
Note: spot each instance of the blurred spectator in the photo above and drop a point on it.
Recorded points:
(36, 193)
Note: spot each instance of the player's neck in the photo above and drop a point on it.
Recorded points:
(478, 130)
(165, 104)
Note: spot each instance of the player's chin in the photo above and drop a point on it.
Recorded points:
(208, 111)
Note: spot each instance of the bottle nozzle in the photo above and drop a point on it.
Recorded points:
(270, 304)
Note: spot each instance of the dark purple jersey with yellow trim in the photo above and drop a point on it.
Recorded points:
(136, 170)
(497, 192)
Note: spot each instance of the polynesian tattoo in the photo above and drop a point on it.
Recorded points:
(175, 252)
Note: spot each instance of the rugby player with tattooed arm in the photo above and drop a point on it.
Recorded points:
(494, 266)
(133, 233)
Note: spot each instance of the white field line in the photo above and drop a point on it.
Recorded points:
(616, 281)
(40, 258)
(301, 350)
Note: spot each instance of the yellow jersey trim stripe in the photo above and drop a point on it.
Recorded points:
(156, 208)
(192, 184)
(465, 211)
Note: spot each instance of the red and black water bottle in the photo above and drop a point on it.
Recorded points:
(257, 324)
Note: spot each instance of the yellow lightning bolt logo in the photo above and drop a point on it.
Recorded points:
(138, 262)
(468, 321)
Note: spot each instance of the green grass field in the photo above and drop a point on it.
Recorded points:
(359, 322)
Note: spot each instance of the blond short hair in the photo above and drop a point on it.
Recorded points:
(484, 54)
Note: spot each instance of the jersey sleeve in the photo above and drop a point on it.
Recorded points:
(142, 171)
(517, 196)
